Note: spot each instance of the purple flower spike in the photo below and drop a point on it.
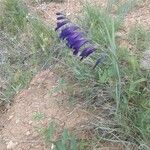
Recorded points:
(60, 24)
(86, 52)
(61, 17)
(68, 31)
(73, 38)
(75, 35)
(75, 52)
(77, 45)
(58, 13)
(70, 40)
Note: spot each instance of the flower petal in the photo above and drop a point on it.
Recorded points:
(60, 24)
(68, 31)
(87, 51)
(100, 60)
(71, 39)
(58, 13)
(61, 17)
(75, 35)
(78, 44)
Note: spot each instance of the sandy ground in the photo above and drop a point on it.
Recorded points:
(139, 16)
(72, 8)
(18, 126)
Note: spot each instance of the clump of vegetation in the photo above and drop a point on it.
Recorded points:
(120, 77)
(13, 16)
(64, 141)
(46, 1)
(24, 48)
(140, 38)
(14, 73)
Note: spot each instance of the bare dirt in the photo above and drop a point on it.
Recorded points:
(72, 8)
(140, 16)
(18, 125)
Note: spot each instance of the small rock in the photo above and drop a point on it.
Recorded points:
(11, 145)
(30, 122)
(28, 133)
(145, 61)
(17, 121)
(52, 146)
(120, 34)
(10, 117)
(8, 106)
(55, 94)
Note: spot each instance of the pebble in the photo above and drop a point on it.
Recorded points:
(11, 145)
(28, 133)
(17, 121)
(10, 117)
(145, 60)
(30, 122)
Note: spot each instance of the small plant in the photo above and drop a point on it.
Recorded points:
(75, 39)
(38, 116)
(12, 67)
(120, 76)
(46, 1)
(41, 34)
(25, 47)
(65, 142)
(139, 37)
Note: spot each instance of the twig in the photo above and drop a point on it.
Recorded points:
(67, 9)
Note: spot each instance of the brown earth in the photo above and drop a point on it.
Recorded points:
(18, 126)
(37, 106)
(73, 9)
(140, 16)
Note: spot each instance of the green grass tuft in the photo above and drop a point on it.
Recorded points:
(139, 37)
(25, 47)
(13, 16)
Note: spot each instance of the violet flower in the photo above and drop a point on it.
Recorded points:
(74, 38)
